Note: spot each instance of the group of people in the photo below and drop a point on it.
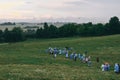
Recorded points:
(68, 52)
(106, 67)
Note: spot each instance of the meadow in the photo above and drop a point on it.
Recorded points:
(28, 60)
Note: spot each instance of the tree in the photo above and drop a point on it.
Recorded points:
(46, 25)
(114, 25)
(46, 31)
(6, 35)
(87, 29)
(17, 34)
(68, 30)
(53, 31)
(1, 36)
(14, 36)
(39, 33)
(99, 29)
(80, 30)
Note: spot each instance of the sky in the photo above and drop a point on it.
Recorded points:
(59, 10)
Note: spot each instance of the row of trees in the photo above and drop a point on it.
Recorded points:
(14, 35)
(85, 29)
(67, 30)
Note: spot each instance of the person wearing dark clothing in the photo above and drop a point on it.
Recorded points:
(97, 59)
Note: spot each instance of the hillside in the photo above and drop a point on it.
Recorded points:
(29, 61)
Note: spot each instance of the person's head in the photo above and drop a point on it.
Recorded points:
(116, 64)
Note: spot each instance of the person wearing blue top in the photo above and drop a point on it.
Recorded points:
(71, 56)
(116, 68)
(66, 55)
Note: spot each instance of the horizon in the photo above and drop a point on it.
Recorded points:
(79, 11)
(58, 20)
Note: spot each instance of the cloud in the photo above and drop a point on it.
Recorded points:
(28, 2)
(10, 5)
(58, 8)
(78, 2)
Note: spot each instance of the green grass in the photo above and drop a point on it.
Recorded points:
(28, 60)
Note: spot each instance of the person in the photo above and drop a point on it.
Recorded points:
(55, 55)
(75, 56)
(83, 59)
(107, 67)
(84, 55)
(102, 66)
(66, 54)
(89, 57)
(51, 50)
(71, 56)
(64, 50)
(97, 59)
(86, 59)
(89, 63)
(60, 51)
(79, 55)
(55, 52)
(119, 68)
(116, 68)
(86, 52)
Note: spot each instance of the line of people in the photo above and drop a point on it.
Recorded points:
(73, 56)
(82, 57)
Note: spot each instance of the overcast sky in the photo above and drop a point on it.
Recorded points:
(94, 10)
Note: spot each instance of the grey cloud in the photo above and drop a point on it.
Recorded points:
(92, 2)
(106, 1)
(31, 2)
(77, 3)
(28, 2)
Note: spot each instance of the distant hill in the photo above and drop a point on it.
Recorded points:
(8, 23)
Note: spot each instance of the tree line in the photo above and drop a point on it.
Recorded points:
(67, 30)
(85, 29)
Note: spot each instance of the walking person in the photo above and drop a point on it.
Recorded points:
(116, 68)
(55, 52)
(103, 67)
(66, 54)
(97, 59)
(75, 57)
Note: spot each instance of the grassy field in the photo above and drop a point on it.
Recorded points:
(29, 61)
